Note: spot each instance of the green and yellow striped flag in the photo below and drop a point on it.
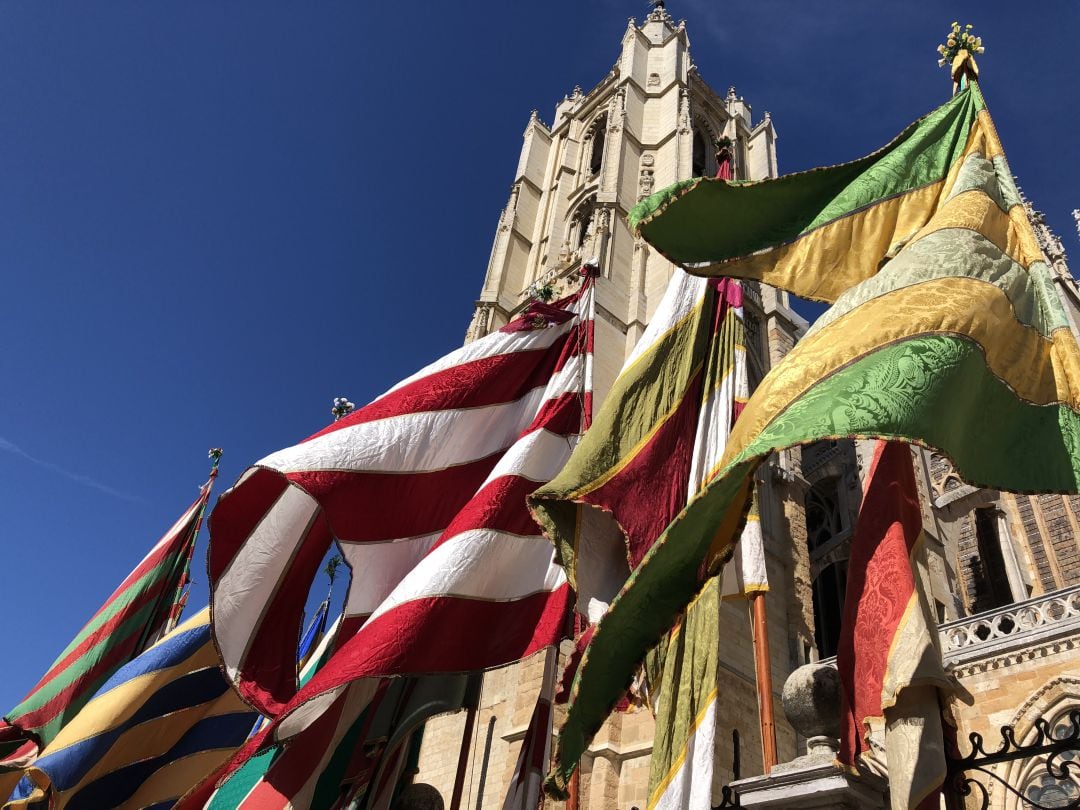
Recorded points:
(946, 330)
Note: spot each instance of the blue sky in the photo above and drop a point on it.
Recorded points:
(215, 217)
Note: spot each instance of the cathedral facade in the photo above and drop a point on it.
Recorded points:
(1003, 570)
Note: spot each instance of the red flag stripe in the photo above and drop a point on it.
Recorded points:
(379, 648)
(357, 500)
(452, 388)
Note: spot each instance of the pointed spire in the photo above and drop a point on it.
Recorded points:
(659, 12)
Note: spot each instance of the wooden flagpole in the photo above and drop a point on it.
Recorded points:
(763, 671)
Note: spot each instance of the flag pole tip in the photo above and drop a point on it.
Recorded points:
(958, 53)
(342, 408)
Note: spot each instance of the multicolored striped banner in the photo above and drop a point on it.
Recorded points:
(889, 656)
(129, 621)
(662, 428)
(659, 433)
(945, 319)
(346, 750)
(158, 726)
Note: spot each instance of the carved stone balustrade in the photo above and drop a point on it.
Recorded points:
(1013, 628)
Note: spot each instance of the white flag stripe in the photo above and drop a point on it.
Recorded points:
(691, 785)
(377, 568)
(253, 575)
(413, 442)
(483, 564)
(536, 457)
(710, 443)
(307, 713)
(567, 379)
(684, 293)
(747, 569)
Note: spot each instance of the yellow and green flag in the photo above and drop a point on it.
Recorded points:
(945, 329)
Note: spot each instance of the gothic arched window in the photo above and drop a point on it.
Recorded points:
(701, 154)
(581, 223)
(822, 513)
(990, 580)
(596, 154)
(1040, 784)
(824, 525)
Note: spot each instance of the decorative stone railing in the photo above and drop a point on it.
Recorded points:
(1006, 629)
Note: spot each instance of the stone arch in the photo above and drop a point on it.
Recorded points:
(703, 163)
(829, 550)
(580, 223)
(1052, 702)
(594, 143)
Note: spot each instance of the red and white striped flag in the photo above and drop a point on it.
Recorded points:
(425, 490)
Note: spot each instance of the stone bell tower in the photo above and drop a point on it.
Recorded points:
(652, 120)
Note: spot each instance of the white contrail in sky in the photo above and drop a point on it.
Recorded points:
(85, 480)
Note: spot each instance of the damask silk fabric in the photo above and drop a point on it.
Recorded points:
(889, 656)
(946, 328)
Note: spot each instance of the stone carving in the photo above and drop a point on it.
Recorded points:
(647, 159)
(534, 121)
(603, 220)
(645, 183)
(481, 321)
(811, 700)
(684, 111)
(617, 111)
(654, 80)
(506, 221)
(659, 13)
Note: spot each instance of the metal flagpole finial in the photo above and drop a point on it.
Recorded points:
(342, 408)
(215, 456)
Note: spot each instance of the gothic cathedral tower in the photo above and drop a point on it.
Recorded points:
(651, 121)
